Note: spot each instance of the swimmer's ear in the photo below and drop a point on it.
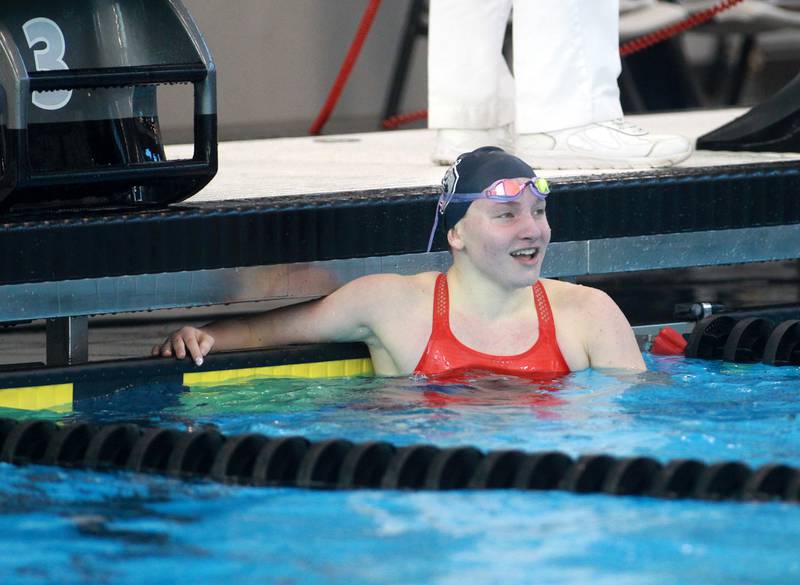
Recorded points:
(454, 238)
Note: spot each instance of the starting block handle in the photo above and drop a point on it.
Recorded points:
(140, 172)
(116, 77)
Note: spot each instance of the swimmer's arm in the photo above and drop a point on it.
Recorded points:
(344, 315)
(609, 340)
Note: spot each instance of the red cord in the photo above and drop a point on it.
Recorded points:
(670, 31)
(347, 67)
(400, 119)
(626, 49)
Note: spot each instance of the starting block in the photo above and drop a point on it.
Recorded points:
(79, 124)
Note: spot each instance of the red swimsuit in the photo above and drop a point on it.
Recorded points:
(444, 353)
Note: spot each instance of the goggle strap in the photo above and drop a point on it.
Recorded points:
(433, 232)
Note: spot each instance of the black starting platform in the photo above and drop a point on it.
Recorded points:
(78, 116)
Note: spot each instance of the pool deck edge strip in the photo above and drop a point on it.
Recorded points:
(329, 369)
(343, 465)
(56, 397)
(101, 378)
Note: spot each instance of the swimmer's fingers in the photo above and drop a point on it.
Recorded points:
(206, 342)
(163, 349)
(166, 349)
(190, 341)
(199, 344)
(175, 344)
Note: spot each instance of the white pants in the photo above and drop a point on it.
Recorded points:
(566, 63)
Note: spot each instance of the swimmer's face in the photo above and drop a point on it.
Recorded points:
(505, 241)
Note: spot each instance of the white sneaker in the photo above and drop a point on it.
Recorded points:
(630, 5)
(604, 145)
(452, 142)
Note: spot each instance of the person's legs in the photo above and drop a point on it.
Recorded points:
(566, 63)
(470, 88)
(568, 113)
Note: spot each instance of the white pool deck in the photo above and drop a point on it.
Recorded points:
(401, 158)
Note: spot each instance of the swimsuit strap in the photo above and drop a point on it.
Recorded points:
(441, 309)
(441, 305)
(547, 326)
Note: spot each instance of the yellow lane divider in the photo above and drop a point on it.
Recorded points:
(55, 397)
(331, 369)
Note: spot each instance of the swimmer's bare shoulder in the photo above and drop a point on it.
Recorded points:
(392, 284)
(397, 312)
(392, 301)
(591, 329)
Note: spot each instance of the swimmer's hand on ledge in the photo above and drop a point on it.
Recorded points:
(188, 340)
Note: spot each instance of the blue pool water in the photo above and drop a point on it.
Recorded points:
(68, 526)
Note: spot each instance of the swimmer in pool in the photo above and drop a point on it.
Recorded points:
(491, 311)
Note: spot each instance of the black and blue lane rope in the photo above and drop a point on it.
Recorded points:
(257, 460)
(783, 345)
(747, 340)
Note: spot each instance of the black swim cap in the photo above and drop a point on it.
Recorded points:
(475, 171)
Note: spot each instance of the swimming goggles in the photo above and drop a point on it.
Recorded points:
(504, 190)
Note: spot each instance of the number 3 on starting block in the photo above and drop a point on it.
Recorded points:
(50, 58)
